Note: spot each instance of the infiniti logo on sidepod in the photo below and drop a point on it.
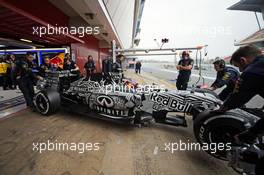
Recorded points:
(105, 101)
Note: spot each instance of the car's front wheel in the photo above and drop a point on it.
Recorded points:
(47, 102)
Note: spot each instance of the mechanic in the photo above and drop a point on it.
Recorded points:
(70, 65)
(89, 66)
(13, 60)
(117, 66)
(185, 66)
(45, 66)
(138, 67)
(67, 56)
(4, 69)
(250, 62)
(226, 75)
(55, 67)
(26, 75)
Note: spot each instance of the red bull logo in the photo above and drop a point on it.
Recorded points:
(58, 60)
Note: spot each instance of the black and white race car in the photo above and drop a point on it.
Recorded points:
(101, 96)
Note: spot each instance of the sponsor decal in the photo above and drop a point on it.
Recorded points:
(160, 99)
(170, 102)
(113, 112)
(105, 101)
(58, 60)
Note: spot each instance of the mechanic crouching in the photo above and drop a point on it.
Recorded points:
(226, 75)
(26, 77)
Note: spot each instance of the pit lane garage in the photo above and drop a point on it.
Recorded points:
(57, 139)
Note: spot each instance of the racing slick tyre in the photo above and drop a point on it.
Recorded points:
(259, 169)
(218, 130)
(159, 116)
(47, 102)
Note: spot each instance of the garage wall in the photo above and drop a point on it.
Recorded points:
(122, 14)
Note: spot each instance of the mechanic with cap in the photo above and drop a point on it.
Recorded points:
(185, 67)
(26, 76)
(250, 62)
(226, 75)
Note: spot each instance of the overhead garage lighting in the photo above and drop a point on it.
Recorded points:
(26, 40)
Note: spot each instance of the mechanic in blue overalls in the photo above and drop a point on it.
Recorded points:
(250, 62)
(226, 75)
(27, 74)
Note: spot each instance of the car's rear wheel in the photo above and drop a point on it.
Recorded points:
(47, 102)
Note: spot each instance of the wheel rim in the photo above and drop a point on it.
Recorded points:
(42, 103)
(223, 134)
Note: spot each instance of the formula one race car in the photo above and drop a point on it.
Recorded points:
(102, 96)
(97, 96)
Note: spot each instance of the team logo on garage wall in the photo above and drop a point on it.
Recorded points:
(105, 101)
